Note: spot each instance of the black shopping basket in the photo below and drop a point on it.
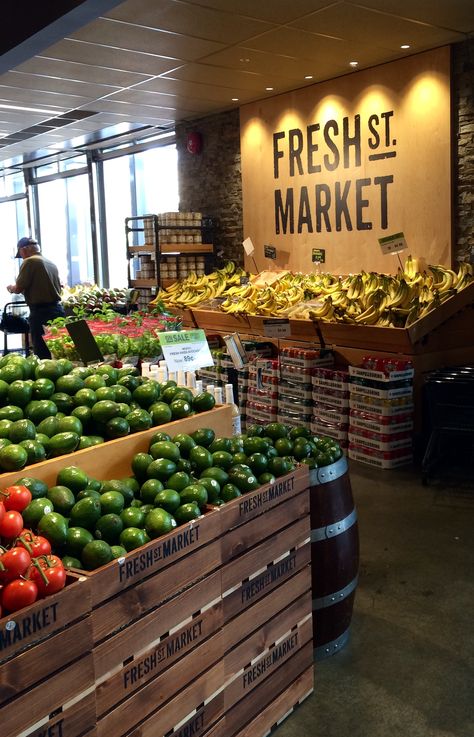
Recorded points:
(14, 321)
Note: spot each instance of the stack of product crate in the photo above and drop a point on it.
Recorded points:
(331, 404)
(297, 366)
(215, 374)
(262, 391)
(381, 412)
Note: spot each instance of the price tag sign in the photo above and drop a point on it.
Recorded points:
(318, 255)
(270, 252)
(186, 350)
(276, 328)
(393, 243)
(249, 248)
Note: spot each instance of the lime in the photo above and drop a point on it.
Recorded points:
(94, 382)
(12, 413)
(44, 440)
(184, 393)
(85, 397)
(73, 477)
(203, 402)
(108, 528)
(254, 431)
(63, 402)
(104, 410)
(118, 551)
(218, 474)
(11, 372)
(82, 371)
(240, 458)
(221, 444)
(236, 445)
(117, 427)
(187, 512)
(179, 480)
(65, 365)
(284, 446)
(132, 484)
(180, 408)
(84, 442)
(132, 538)
(122, 394)
(5, 426)
(131, 382)
(243, 480)
(91, 493)
(111, 502)
(76, 539)
(69, 384)
(19, 393)
(109, 373)
(132, 517)
(158, 437)
(139, 419)
(62, 499)
(42, 388)
(4, 442)
(149, 490)
(222, 459)
(53, 527)
(166, 385)
(165, 449)
(184, 465)
(297, 432)
(123, 409)
(168, 499)
(140, 463)
(62, 443)
(160, 413)
(212, 487)
(194, 493)
(159, 522)
(95, 554)
(167, 394)
(105, 392)
(255, 445)
(147, 393)
(230, 491)
(276, 430)
(258, 462)
(13, 457)
(38, 409)
(70, 424)
(4, 390)
(48, 369)
(280, 466)
(69, 561)
(302, 448)
(266, 478)
(161, 468)
(204, 436)
(83, 414)
(120, 486)
(185, 444)
(49, 426)
(38, 488)
(85, 513)
(22, 430)
(35, 510)
(200, 458)
(36, 452)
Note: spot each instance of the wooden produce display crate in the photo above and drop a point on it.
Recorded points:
(220, 321)
(46, 666)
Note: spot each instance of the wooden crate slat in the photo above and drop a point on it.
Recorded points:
(242, 538)
(139, 599)
(43, 618)
(153, 557)
(200, 722)
(262, 668)
(157, 692)
(148, 628)
(71, 721)
(257, 502)
(47, 697)
(215, 320)
(113, 458)
(260, 555)
(158, 658)
(45, 658)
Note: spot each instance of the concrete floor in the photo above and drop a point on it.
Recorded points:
(408, 670)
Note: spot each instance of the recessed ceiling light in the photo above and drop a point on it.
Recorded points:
(235, 99)
(269, 89)
(353, 63)
(405, 46)
(309, 76)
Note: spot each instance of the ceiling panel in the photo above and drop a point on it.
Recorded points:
(194, 89)
(43, 99)
(146, 40)
(206, 74)
(82, 72)
(190, 19)
(137, 97)
(276, 11)
(55, 84)
(364, 26)
(240, 58)
(458, 15)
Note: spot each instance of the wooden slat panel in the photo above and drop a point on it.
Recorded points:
(70, 722)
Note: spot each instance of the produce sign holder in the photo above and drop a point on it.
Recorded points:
(46, 665)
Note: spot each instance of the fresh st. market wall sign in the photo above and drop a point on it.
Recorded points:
(340, 164)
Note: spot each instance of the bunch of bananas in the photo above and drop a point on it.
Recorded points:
(366, 298)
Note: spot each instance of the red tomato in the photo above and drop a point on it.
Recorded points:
(17, 497)
(49, 574)
(34, 544)
(18, 594)
(11, 525)
(2, 511)
(15, 562)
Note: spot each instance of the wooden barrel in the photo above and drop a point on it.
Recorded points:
(334, 556)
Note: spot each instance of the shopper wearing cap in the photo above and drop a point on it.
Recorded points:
(39, 282)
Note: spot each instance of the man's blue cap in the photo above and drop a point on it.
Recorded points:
(22, 243)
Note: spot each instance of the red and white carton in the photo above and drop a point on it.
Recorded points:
(287, 417)
(381, 423)
(331, 397)
(267, 397)
(331, 379)
(383, 376)
(380, 459)
(385, 407)
(334, 430)
(372, 391)
(296, 374)
(331, 413)
(259, 411)
(379, 441)
(293, 390)
(305, 357)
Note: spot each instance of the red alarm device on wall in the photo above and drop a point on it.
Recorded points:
(194, 143)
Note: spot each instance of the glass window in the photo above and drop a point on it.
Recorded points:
(77, 162)
(12, 184)
(64, 216)
(13, 216)
(156, 176)
(118, 206)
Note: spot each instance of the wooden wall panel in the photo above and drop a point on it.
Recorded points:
(403, 111)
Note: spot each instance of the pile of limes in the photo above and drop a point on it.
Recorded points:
(49, 407)
(91, 522)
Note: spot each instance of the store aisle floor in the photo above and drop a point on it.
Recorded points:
(408, 670)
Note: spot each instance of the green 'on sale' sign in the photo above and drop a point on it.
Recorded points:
(186, 350)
